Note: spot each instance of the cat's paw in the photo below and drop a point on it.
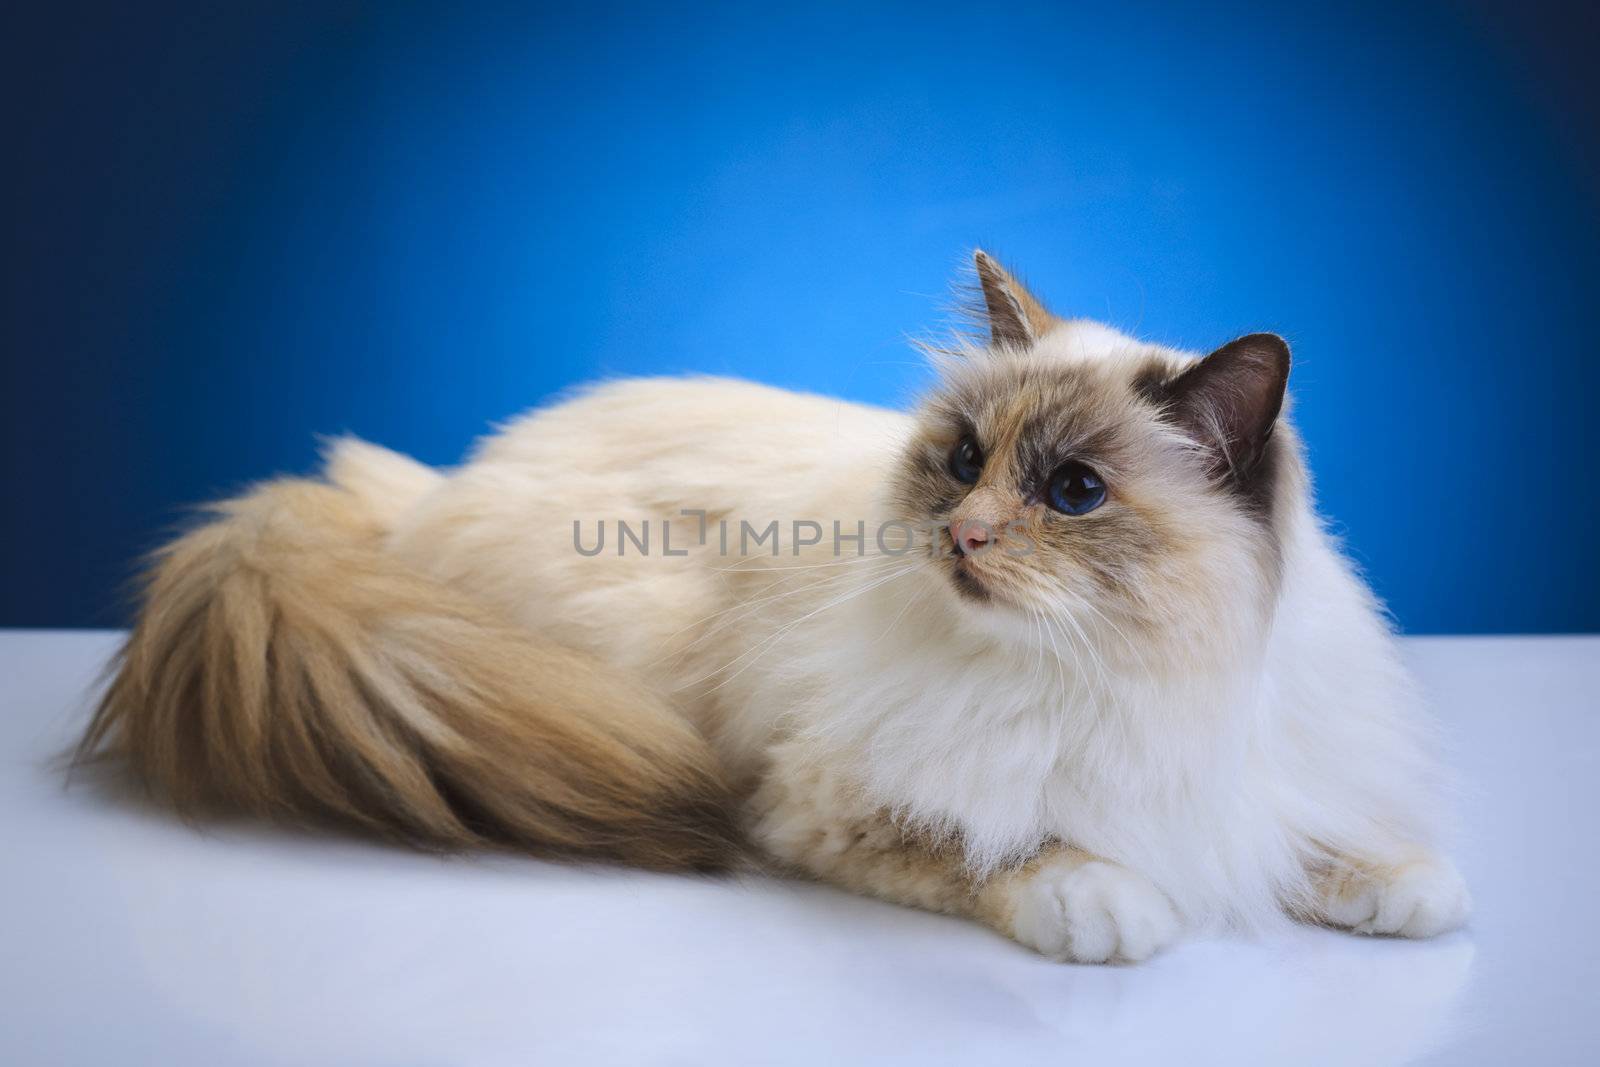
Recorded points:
(1091, 911)
(1421, 898)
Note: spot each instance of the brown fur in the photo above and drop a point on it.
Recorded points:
(1029, 416)
(811, 821)
(808, 818)
(284, 666)
(1183, 445)
(1015, 316)
(1346, 890)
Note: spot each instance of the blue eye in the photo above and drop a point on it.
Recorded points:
(1076, 489)
(966, 461)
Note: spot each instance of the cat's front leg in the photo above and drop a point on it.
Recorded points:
(1070, 905)
(1422, 895)
(1064, 903)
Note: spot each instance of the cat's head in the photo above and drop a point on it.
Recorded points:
(1110, 486)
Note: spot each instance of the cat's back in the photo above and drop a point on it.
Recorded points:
(517, 525)
(621, 423)
(649, 445)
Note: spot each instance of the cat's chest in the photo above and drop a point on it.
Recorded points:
(1007, 751)
(954, 734)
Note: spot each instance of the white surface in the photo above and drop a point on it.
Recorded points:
(130, 938)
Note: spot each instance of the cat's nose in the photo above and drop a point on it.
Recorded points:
(969, 537)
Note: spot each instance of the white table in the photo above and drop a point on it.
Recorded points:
(130, 938)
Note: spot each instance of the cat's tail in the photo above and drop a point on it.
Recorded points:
(284, 665)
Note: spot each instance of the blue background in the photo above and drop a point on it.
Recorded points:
(230, 230)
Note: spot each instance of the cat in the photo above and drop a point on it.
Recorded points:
(1123, 688)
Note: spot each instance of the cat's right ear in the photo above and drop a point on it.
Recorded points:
(1230, 400)
(1016, 319)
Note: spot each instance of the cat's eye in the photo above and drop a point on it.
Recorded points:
(1075, 489)
(966, 461)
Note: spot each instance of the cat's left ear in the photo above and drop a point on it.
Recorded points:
(1230, 400)
(1016, 318)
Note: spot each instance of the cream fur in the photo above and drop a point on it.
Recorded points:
(1221, 778)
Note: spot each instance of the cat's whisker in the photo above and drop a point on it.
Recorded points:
(1038, 645)
(1057, 723)
(1060, 666)
(756, 566)
(1082, 649)
(1133, 648)
(1031, 618)
(768, 642)
(742, 609)
(781, 575)
(1102, 672)
(1051, 592)
(910, 600)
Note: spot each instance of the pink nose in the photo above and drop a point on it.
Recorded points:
(969, 537)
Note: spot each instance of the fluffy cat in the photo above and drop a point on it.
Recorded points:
(1122, 685)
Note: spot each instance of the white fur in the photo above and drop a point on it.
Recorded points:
(1092, 912)
(1216, 774)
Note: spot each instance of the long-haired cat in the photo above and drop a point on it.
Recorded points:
(1066, 649)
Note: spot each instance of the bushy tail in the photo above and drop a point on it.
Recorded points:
(284, 665)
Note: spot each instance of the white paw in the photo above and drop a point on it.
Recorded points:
(1423, 898)
(1091, 912)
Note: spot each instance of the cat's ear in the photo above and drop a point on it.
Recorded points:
(1015, 318)
(1230, 400)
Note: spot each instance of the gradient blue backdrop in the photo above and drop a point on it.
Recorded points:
(231, 230)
